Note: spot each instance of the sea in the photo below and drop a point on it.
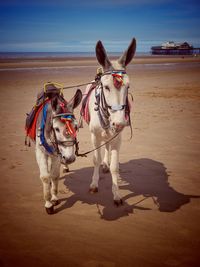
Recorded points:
(42, 55)
(28, 56)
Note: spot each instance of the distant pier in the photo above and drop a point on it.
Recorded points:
(171, 48)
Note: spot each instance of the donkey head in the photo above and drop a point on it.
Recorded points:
(115, 83)
(65, 126)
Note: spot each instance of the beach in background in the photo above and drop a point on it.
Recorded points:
(158, 225)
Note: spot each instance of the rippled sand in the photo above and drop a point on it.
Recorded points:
(158, 225)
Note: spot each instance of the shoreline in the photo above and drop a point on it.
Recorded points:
(11, 63)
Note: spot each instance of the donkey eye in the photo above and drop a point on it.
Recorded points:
(57, 129)
(107, 87)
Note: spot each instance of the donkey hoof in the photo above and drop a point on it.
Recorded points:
(50, 210)
(55, 202)
(65, 169)
(118, 202)
(105, 168)
(93, 190)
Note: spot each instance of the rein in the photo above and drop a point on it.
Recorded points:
(74, 86)
(102, 111)
(92, 150)
(97, 78)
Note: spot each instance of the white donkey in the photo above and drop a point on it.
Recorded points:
(109, 113)
(55, 143)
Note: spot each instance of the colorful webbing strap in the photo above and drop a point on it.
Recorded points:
(48, 148)
(67, 119)
(118, 78)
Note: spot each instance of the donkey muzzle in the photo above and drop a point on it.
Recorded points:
(67, 160)
(117, 126)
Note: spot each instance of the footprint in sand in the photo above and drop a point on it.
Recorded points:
(12, 166)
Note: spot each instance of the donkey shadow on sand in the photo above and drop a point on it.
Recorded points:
(143, 178)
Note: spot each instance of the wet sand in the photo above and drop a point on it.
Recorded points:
(53, 62)
(158, 225)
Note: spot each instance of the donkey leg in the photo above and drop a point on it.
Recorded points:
(55, 174)
(42, 160)
(97, 162)
(105, 164)
(114, 169)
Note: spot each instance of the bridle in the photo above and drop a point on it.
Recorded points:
(102, 107)
(71, 127)
(69, 120)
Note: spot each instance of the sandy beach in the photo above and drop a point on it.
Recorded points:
(158, 225)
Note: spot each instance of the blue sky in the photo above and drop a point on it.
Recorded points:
(73, 26)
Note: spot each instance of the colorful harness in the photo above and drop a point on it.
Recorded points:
(41, 107)
(118, 78)
(43, 142)
(30, 126)
(102, 107)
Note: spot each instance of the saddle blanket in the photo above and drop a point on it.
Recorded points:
(50, 90)
(31, 120)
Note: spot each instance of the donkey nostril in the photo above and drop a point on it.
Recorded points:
(119, 125)
(63, 157)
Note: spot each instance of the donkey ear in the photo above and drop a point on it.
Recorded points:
(102, 56)
(76, 100)
(54, 103)
(127, 56)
